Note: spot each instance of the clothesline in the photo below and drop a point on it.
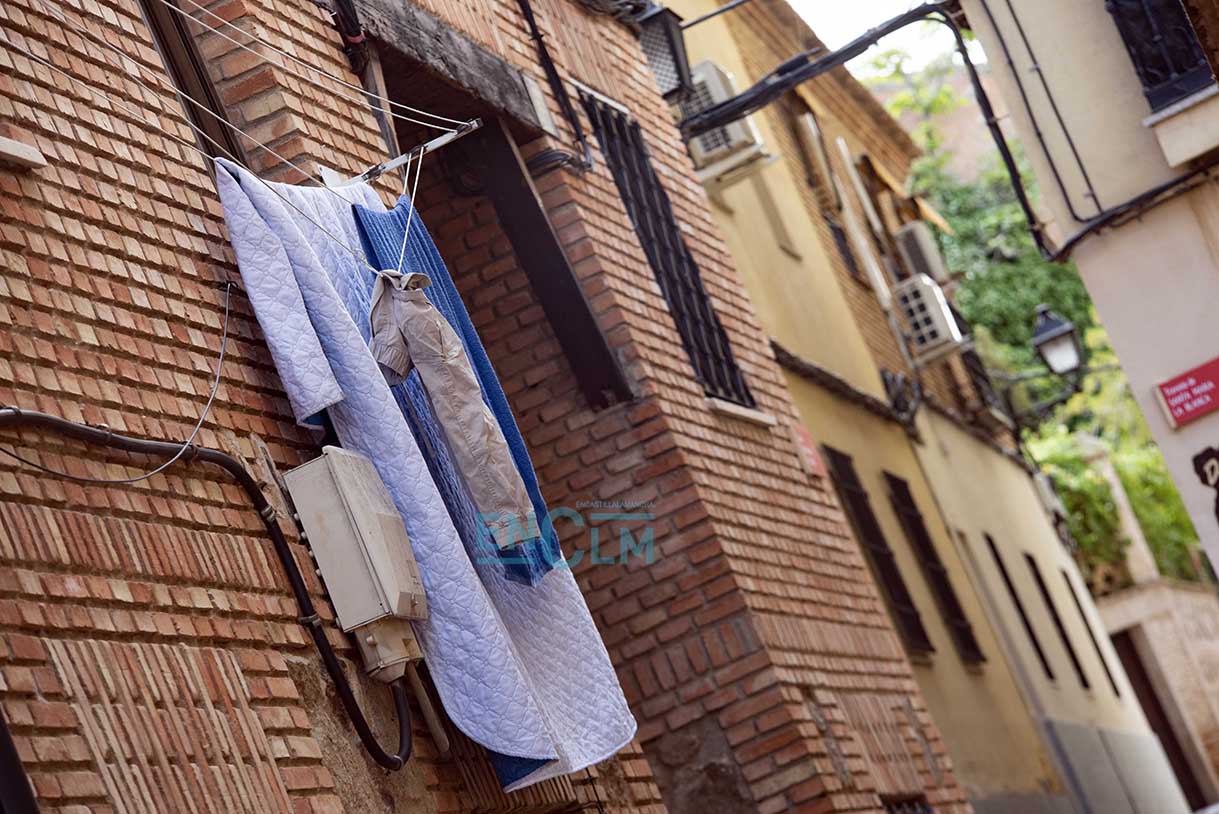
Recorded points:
(364, 96)
(110, 99)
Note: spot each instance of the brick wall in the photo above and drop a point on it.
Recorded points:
(754, 650)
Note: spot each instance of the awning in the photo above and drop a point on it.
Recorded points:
(926, 211)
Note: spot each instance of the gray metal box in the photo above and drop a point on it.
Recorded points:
(357, 538)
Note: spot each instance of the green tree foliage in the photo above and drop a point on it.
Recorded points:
(1002, 279)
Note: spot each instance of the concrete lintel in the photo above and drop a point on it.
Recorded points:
(413, 33)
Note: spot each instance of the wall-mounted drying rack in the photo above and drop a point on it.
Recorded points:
(332, 179)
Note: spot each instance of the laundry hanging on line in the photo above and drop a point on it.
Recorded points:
(382, 235)
(521, 670)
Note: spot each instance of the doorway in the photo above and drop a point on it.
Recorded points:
(1144, 690)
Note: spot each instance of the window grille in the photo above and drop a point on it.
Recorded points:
(933, 567)
(1104, 663)
(651, 213)
(907, 805)
(863, 520)
(189, 73)
(1163, 47)
(1020, 611)
(1052, 609)
(975, 368)
(843, 243)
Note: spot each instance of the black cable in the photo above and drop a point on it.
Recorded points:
(556, 84)
(224, 338)
(549, 160)
(103, 436)
(795, 71)
(1045, 85)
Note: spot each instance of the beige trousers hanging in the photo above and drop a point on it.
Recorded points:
(408, 332)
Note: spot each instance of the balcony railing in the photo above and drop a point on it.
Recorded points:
(1163, 47)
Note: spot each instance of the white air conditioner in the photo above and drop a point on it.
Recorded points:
(919, 251)
(724, 150)
(932, 329)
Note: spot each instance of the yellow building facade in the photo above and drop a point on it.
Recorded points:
(1004, 638)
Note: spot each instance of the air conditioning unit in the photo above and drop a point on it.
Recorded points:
(726, 149)
(933, 332)
(919, 251)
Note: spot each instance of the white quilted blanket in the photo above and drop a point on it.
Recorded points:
(521, 670)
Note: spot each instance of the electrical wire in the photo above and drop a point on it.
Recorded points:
(190, 440)
(363, 97)
(308, 618)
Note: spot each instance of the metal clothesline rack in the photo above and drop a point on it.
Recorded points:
(332, 179)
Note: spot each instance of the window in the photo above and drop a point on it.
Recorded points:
(651, 213)
(1163, 47)
(984, 387)
(1057, 620)
(933, 568)
(189, 73)
(843, 243)
(1091, 636)
(892, 585)
(816, 158)
(1020, 611)
(906, 804)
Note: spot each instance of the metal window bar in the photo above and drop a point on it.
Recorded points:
(981, 381)
(1165, 50)
(1020, 611)
(907, 805)
(863, 520)
(933, 568)
(1083, 618)
(844, 248)
(651, 213)
(1052, 609)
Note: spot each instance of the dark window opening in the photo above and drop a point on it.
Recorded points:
(843, 243)
(983, 385)
(906, 804)
(1020, 611)
(1163, 47)
(1104, 663)
(651, 213)
(1057, 620)
(189, 73)
(934, 570)
(863, 520)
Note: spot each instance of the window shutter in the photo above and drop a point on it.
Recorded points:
(859, 512)
(933, 568)
(651, 213)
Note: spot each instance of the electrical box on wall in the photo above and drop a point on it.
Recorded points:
(363, 554)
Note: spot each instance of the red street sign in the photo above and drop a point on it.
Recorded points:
(1191, 395)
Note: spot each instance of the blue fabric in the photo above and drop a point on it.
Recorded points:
(381, 235)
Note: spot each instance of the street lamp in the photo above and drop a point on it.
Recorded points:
(1057, 342)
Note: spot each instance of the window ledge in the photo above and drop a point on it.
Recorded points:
(1188, 128)
(750, 414)
(18, 153)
